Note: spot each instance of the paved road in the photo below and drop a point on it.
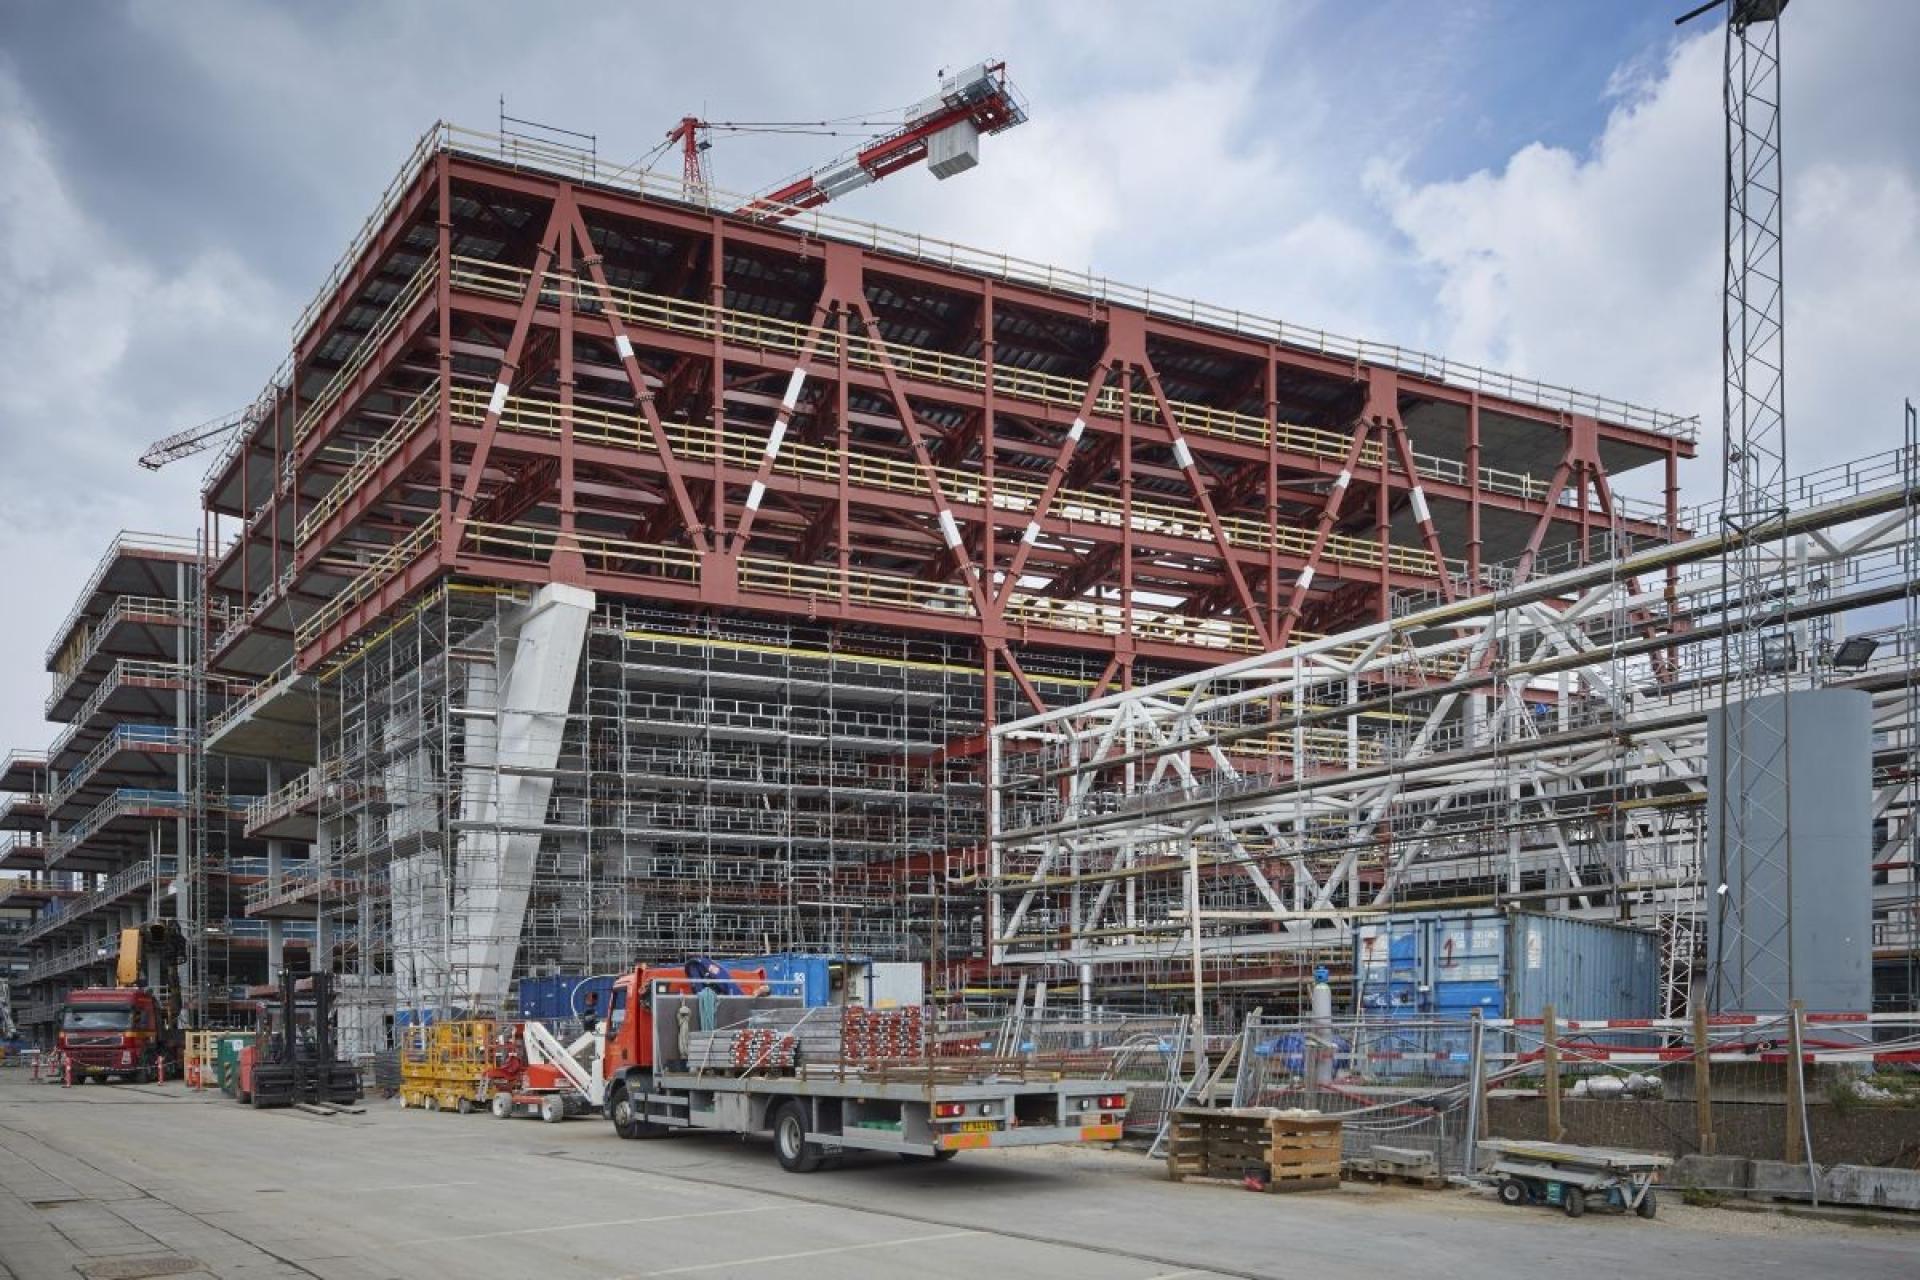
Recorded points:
(129, 1181)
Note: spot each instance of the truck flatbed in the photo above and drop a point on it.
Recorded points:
(900, 1116)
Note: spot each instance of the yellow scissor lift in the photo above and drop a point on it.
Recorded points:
(443, 1065)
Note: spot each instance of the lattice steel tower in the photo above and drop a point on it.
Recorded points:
(1753, 941)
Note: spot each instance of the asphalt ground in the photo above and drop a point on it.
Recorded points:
(119, 1182)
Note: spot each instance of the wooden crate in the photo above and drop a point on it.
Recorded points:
(1287, 1150)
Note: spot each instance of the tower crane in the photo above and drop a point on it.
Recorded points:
(944, 130)
(210, 434)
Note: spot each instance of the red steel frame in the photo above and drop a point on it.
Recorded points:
(546, 320)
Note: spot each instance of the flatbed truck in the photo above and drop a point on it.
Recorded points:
(824, 1096)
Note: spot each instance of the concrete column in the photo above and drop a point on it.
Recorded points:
(276, 869)
(540, 658)
(183, 779)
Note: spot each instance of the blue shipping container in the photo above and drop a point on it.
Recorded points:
(560, 998)
(1441, 966)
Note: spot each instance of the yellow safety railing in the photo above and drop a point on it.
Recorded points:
(366, 463)
(554, 158)
(696, 443)
(703, 320)
(376, 575)
(357, 359)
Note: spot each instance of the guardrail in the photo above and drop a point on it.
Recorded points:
(126, 541)
(127, 673)
(161, 738)
(585, 166)
(124, 800)
(698, 319)
(158, 611)
(60, 913)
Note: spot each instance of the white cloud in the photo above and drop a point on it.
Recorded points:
(99, 354)
(1603, 268)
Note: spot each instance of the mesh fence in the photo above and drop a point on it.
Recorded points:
(1399, 1083)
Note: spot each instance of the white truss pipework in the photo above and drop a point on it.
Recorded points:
(1549, 740)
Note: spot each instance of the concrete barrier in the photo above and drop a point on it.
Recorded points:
(1857, 1185)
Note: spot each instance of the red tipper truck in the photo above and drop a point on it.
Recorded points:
(706, 1046)
(119, 1032)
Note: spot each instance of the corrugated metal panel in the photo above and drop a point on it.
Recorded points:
(1465, 964)
(1582, 968)
(1387, 963)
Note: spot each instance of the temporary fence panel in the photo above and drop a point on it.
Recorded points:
(1393, 1081)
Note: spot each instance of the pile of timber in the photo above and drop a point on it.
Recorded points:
(1267, 1147)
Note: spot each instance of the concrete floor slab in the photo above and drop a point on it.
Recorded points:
(405, 1193)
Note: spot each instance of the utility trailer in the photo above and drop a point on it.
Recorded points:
(1573, 1177)
(710, 1048)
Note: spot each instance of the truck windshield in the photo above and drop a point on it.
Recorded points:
(97, 1019)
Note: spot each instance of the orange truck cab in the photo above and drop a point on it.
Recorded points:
(117, 1032)
(634, 1043)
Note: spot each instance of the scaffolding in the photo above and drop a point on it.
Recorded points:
(721, 786)
(1545, 745)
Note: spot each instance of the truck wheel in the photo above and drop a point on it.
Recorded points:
(1513, 1191)
(626, 1117)
(1574, 1200)
(464, 1106)
(1648, 1205)
(553, 1108)
(790, 1144)
(503, 1106)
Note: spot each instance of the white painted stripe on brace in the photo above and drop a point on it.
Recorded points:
(499, 400)
(948, 529)
(1420, 511)
(1306, 578)
(623, 345)
(1032, 535)
(1344, 479)
(1182, 454)
(754, 495)
(794, 384)
(1078, 429)
(778, 434)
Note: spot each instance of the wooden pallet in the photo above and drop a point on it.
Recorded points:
(1397, 1166)
(1395, 1178)
(1283, 1150)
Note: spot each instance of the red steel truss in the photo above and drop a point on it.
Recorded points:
(529, 372)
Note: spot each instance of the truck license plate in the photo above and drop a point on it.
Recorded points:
(978, 1126)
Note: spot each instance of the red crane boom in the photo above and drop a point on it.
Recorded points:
(943, 130)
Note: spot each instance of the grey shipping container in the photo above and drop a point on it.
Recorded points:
(1582, 968)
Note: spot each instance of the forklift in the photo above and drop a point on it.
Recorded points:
(293, 1058)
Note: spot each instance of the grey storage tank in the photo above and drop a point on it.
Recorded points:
(1801, 780)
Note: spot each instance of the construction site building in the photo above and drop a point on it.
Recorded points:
(609, 576)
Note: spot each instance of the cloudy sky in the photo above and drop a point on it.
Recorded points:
(1530, 185)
